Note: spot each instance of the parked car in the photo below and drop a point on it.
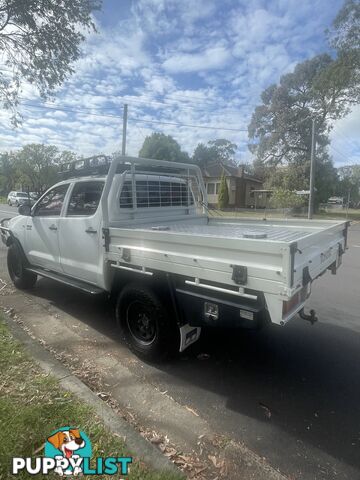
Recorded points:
(33, 197)
(17, 198)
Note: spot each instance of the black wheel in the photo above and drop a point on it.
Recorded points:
(9, 203)
(16, 203)
(145, 325)
(20, 277)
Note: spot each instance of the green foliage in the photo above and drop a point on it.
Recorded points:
(282, 198)
(296, 176)
(345, 32)
(349, 183)
(37, 166)
(223, 198)
(39, 41)
(320, 88)
(204, 155)
(8, 172)
(216, 151)
(34, 166)
(163, 147)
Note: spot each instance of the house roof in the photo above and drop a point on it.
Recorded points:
(216, 170)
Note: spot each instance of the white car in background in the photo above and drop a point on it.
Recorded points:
(17, 198)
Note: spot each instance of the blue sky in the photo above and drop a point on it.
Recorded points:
(202, 63)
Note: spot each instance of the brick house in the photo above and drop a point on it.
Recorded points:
(240, 185)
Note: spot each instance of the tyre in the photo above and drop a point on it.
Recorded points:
(20, 277)
(145, 325)
(9, 203)
(16, 203)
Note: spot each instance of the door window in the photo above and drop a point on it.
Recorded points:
(51, 204)
(85, 199)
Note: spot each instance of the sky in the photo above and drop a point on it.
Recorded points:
(193, 69)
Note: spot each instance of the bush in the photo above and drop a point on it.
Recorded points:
(282, 198)
(223, 199)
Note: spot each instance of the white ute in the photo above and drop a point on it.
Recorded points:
(140, 230)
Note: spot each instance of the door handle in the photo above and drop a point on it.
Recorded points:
(90, 230)
(53, 227)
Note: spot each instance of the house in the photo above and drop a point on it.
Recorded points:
(242, 187)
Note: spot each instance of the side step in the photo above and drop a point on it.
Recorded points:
(71, 282)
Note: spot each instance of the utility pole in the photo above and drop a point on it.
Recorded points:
(123, 150)
(312, 173)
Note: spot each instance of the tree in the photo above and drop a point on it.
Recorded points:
(37, 166)
(8, 173)
(349, 183)
(283, 198)
(344, 36)
(318, 89)
(163, 147)
(223, 198)
(216, 151)
(323, 88)
(39, 41)
(225, 150)
(204, 155)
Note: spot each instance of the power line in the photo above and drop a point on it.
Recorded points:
(338, 151)
(150, 121)
(71, 110)
(188, 125)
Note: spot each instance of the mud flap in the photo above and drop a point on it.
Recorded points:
(188, 335)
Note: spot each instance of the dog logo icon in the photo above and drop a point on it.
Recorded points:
(68, 446)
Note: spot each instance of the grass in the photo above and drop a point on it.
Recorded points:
(32, 405)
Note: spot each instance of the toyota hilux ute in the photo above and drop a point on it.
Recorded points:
(140, 230)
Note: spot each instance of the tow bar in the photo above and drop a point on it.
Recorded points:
(311, 317)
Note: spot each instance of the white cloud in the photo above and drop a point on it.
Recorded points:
(210, 59)
(196, 63)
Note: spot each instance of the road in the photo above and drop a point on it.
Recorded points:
(290, 394)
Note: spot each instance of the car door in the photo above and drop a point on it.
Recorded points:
(42, 228)
(80, 235)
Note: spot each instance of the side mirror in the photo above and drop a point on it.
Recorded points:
(25, 210)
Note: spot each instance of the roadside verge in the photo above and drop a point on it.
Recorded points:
(31, 396)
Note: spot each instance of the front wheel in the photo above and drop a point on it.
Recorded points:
(145, 325)
(20, 277)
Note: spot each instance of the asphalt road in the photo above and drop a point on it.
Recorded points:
(291, 394)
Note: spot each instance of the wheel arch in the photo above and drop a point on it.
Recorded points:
(160, 283)
(12, 240)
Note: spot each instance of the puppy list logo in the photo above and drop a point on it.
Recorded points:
(68, 452)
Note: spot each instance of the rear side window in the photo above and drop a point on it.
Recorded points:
(85, 199)
(51, 204)
(155, 193)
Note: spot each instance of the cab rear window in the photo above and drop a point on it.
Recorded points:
(155, 193)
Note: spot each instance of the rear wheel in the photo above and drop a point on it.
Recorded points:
(20, 277)
(145, 325)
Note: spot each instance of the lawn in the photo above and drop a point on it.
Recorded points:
(32, 405)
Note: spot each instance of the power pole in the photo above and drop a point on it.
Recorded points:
(123, 150)
(312, 173)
